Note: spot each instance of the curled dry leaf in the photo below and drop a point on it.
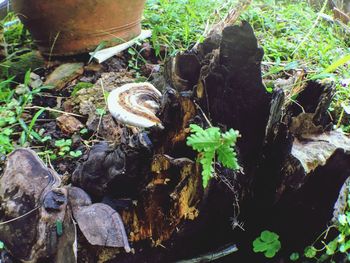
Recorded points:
(101, 225)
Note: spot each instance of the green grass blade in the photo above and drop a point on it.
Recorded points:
(35, 117)
(337, 64)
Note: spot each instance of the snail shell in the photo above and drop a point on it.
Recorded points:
(135, 104)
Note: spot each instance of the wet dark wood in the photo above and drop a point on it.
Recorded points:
(220, 84)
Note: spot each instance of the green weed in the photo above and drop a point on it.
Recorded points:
(15, 128)
(177, 25)
(64, 149)
(294, 37)
(267, 243)
(211, 143)
(15, 36)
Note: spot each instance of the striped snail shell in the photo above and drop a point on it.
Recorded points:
(135, 104)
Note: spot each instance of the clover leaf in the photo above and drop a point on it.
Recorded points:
(310, 252)
(267, 243)
(294, 256)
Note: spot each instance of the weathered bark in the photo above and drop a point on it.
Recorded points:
(231, 90)
(27, 228)
(37, 214)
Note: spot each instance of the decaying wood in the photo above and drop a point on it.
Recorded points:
(341, 15)
(172, 195)
(37, 214)
(280, 139)
(233, 94)
(26, 227)
(231, 17)
(169, 198)
(288, 153)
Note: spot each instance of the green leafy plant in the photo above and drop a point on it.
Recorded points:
(50, 154)
(294, 256)
(75, 154)
(63, 146)
(133, 61)
(5, 141)
(211, 143)
(310, 252)
(325, 248)
(100, 112)
(267, 243)
(14, 35)
(176, 25)
(15, 126)
(64, 149)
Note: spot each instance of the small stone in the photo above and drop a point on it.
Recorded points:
(34, 76)
(35, 81)
(21, 89)
(68, 124)
(65, 73)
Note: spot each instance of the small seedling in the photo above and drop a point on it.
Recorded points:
(48, 153)
(5, 141)
(75, 154)
(133, 61)
(211, 143)
(267, 243)
(294, 256)
(83, 131)
(63, 146)
(100, 112)
(310, 252)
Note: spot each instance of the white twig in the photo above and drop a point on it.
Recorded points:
(19, 217)
(104, 54)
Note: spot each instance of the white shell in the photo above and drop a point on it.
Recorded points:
(135, 104)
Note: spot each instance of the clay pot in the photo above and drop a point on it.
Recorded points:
(66, 27)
